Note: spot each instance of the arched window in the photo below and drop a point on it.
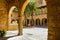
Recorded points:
(44, 22)
(37, 22)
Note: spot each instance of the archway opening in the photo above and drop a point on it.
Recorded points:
(44, 22)
(27, 22)
(32, 22)
(42, 13)
(37, 22)
(13, 18)
(33, 14)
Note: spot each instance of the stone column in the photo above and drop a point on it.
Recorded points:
(44, 22)
(53, 7)
(20, 26)
(41, 22)
(21, 7)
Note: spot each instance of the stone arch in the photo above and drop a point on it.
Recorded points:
(44, 22)
(9, 20)
(37, 22)
(32, 22)
(10, 12)
(24, 6)
(21, 11)
(28, 21)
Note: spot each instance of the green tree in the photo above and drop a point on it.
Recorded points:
(31, 9)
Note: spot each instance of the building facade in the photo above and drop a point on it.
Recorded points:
(37, 21)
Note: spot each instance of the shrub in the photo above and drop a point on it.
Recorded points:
(2, 33)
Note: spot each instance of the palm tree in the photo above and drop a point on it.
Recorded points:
(30, 10)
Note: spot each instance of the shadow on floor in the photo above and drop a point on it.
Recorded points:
(43, 26)
(5, 38)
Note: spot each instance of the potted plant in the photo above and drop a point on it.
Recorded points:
(2, 33)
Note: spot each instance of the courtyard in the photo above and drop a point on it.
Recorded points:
(29, 34)
(34, 19)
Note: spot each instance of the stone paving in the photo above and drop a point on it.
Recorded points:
(30, 33)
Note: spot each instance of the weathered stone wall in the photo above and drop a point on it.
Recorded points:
(53, 19)
(4, 12)
(3, 15)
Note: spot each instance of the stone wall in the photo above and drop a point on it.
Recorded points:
(53, 19)
(3, 15)
(5, 6)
